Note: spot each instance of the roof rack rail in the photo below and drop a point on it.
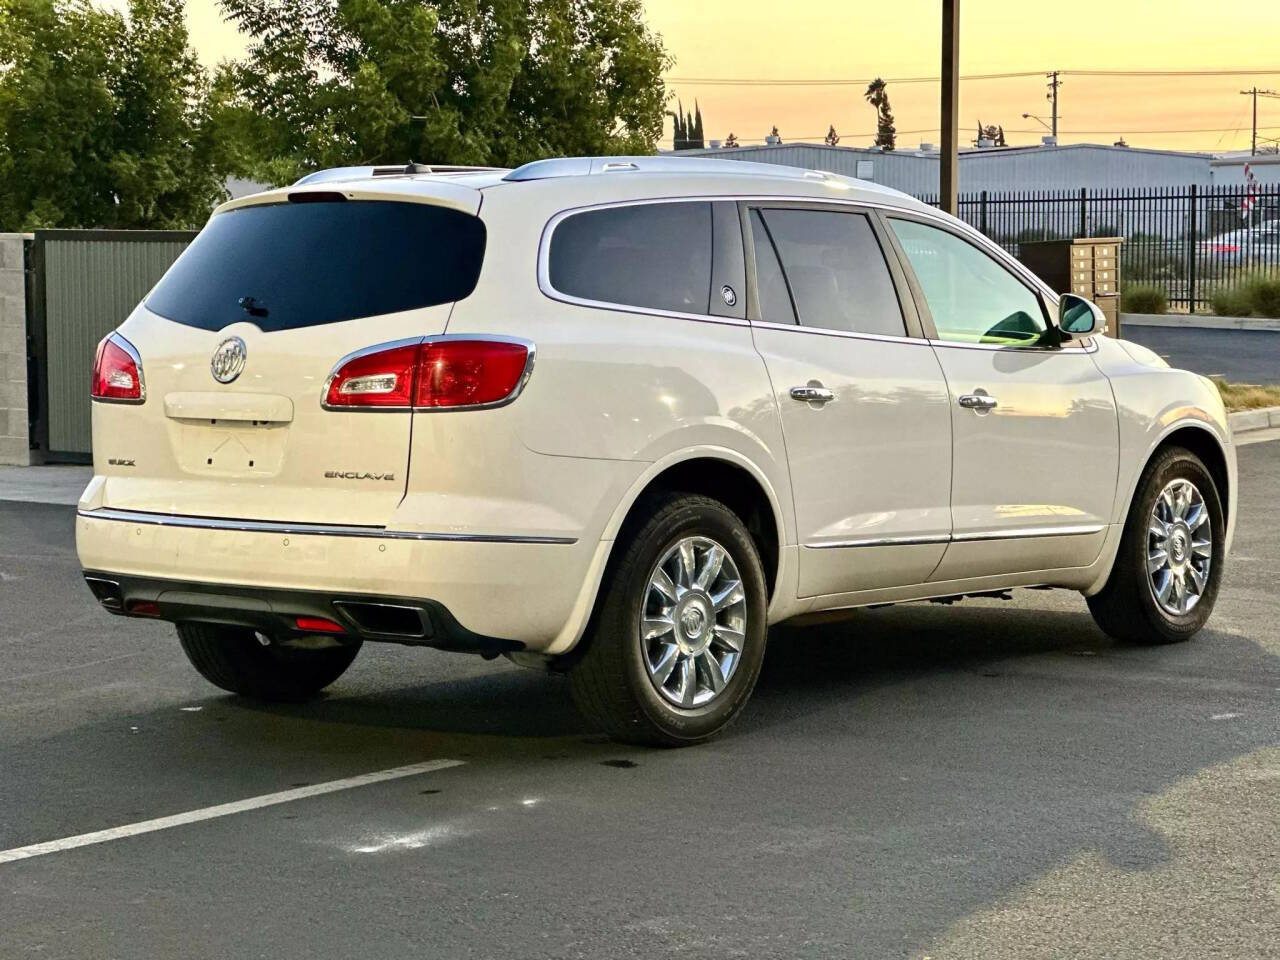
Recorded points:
(399, 170)
(592, 166)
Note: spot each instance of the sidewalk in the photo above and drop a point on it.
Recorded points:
(1196, 321)
(51, 484)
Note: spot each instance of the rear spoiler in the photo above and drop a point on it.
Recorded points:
(441, 192)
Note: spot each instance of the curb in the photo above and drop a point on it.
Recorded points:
(1192, 322)
(1245, 421)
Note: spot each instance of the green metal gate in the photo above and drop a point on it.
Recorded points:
(86, 283)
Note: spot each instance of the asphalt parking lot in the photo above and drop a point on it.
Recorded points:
(1241, 356)
(984, 780)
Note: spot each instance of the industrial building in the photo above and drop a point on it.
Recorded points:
(1046, 167)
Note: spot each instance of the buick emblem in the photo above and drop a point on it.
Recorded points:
(228, 360)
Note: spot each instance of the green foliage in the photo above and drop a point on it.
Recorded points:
(500, 82)
(878, 97)
(1255, 296)
(104, 118)
(1143, 298)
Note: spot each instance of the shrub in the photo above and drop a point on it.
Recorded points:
(1143, 298)
(1264, 293)
(1255, 296)
(1232, 302)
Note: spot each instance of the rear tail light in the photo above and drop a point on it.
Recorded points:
(439, 373)
(117, 371)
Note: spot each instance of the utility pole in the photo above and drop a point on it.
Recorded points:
(1053, 85)
(949, 160)
(1255, 93)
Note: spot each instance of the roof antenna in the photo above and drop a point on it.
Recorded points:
(412, 167)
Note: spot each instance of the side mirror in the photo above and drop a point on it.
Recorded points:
(1078, 316)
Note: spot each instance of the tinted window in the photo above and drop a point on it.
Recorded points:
(653, 255)
(838, 275)
(972, 297)
(775, 301)
(305, 264)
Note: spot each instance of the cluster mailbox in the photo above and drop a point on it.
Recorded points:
(1088, 267)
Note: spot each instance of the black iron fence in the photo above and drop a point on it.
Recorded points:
(1193, 242)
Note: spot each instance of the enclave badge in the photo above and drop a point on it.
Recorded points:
(356, 475)
(228, 360)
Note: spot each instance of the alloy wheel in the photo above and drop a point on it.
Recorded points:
(1179, 548)
(694, 622)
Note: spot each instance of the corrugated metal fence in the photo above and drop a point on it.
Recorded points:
(86, 283)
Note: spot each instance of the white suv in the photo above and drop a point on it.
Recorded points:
(616, 416)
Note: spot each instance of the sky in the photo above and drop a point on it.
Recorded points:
(851, 40)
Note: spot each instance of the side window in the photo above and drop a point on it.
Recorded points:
(972, 297)
(775, 301)
(837, 272)
(652, 255)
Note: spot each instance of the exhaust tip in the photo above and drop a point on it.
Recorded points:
(392, 620)
(106, 591)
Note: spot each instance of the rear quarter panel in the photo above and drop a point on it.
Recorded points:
(619, 386)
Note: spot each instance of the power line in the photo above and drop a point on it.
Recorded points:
(759, 82)
(844, 82)
(798, 138)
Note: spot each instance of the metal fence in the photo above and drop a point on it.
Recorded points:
(1193, 242)
(84, 284)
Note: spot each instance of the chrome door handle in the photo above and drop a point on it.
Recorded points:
(812, 393)
(978, 401)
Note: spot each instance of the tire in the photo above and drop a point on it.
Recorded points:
(234, 659)
(1127, 608)
(612, 682)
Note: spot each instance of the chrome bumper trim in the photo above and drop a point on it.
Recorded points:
(306, 529)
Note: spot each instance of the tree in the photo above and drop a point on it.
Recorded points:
(993, 132)
(104, 118)
(686, 128)
(333, 82)
(878, 97)
(731, 140)
(832, 138)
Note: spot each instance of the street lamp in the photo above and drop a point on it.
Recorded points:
(1032, 116)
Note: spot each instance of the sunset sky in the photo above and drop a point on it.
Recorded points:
(844, 39)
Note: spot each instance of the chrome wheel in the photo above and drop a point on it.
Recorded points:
(694, 622)
(1179, 548)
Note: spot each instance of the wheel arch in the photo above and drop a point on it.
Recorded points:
(1205, 445)
(720, 474)
(717, 472)
(1202, 440)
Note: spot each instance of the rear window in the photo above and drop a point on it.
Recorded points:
(289, 265)
(651, 255)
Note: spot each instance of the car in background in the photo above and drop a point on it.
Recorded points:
(1258, 244)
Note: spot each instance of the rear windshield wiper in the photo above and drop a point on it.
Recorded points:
(252, 306)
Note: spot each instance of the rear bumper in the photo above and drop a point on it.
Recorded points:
(275, 612)
(512, 594)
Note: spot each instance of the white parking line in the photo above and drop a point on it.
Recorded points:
(223, 810)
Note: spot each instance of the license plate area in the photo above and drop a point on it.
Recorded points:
(229, 448)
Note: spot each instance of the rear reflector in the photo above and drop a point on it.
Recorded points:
(117, 371)
(319, 625)
(143, 608)
(448, 372)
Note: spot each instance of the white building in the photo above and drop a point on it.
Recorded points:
(1228, 171)
(995, 169)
